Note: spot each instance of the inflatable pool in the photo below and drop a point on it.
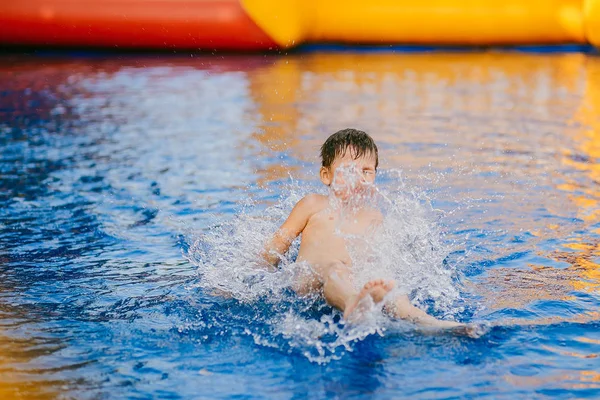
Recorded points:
(265, 25)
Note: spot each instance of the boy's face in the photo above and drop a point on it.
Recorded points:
(348, 176)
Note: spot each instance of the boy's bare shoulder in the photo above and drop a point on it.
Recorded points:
(314, 202)
(308, 206)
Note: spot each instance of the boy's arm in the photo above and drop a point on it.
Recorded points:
(291, 228)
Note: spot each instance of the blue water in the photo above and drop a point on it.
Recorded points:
(111, 167)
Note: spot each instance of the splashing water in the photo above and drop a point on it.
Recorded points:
(407, 247)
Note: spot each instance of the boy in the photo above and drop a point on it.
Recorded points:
(349, 165)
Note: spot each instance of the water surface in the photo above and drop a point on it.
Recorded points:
(112, 166)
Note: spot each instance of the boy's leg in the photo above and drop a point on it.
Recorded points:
(339, 291)
(338, 287)
(401, 307)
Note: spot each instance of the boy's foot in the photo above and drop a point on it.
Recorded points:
(473, 331)
(376, 289)
(470, 330)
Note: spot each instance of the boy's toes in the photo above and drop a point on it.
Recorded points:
(377, 289)
(372, 284)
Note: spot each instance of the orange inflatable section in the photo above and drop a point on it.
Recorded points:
(152, 24)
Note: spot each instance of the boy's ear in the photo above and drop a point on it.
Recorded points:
(325, 175)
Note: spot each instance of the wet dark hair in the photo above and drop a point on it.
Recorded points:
(337, 144)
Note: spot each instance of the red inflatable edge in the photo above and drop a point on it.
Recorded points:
(163, 24)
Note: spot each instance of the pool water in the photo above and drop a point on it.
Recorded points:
(134, 188)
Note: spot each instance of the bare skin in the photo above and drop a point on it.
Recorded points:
(376, 289)
(323, 246)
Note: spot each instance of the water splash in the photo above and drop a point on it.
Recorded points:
(408, 248)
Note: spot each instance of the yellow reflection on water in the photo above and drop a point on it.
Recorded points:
(586, 379)
(569, 353)
(17, 380)
(482, 111)
(518, 287)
